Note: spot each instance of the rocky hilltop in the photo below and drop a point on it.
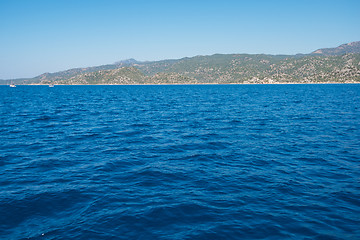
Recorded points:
(353, 47)
(341, 64)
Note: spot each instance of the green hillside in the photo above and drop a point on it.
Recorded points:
(226, 68)
(124, 75)
(341, 64)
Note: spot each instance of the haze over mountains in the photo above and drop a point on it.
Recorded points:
(339, 64)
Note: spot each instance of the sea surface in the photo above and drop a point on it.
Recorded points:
(180, 162)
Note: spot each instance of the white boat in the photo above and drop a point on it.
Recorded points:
(12, 85)
(51, 85)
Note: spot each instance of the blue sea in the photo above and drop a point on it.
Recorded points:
(180, 162)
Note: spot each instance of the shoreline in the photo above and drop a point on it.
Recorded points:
(156, 84)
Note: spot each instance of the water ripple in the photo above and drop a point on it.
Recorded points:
(180, 162)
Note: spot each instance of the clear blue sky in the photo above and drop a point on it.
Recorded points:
(38, 36)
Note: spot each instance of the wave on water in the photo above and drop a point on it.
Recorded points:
(180, 162)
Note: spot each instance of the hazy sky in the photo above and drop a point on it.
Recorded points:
(38, 36)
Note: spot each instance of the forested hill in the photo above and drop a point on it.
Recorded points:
(318, 67)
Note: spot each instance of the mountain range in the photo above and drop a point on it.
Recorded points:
(340, 64)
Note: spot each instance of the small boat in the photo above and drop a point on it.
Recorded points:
(12, 85)
(51, 85)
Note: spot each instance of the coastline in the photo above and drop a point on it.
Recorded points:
(156, 84)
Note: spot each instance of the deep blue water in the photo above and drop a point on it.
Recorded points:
(180, 162)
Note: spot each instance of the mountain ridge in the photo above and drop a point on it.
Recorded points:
(340, 64)
(353, 47)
